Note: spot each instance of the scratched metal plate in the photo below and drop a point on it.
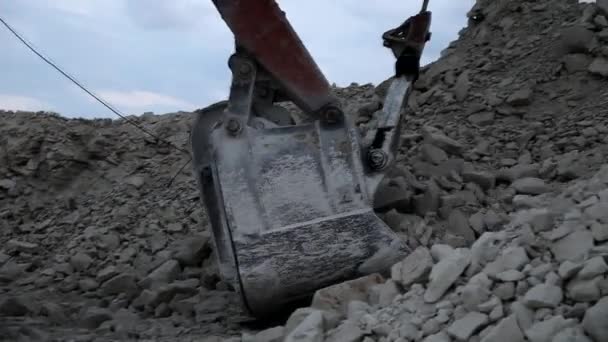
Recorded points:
(291, 210)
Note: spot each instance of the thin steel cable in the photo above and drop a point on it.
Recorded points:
(77, 83)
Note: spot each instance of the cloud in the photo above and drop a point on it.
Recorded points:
(162, 14)
(25, 103)
(77, 7)
(139, 99)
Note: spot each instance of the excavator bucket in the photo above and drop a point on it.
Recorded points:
(289, 209)
(290, 205)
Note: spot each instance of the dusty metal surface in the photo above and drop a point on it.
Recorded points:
(294, 203)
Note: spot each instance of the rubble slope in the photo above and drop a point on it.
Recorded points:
(499, 189)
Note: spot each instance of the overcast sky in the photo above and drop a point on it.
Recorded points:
(169, 55)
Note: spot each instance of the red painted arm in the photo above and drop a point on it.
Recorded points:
(262, 29)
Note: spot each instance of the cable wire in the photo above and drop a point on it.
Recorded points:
(104, 103)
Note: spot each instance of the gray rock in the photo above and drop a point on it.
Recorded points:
(486, 249)
(275, 334)
(137, 181)
(175, 227)
(511, 258)
(81, 262)
(409, 331)
(429, 201)
(482, 119)
(539, 219)
(439, 337)
(300, 314)
(545, 331)
(383, 294)
(107, 273)
(518, 171)
(461, 88)
(599, 66)
(543, 296)
(568, 269)
(414, 268)
(458, 224)
(462, 329)
(336, 298)
(87, 284)
(309, 330)
(592, 268)
(573, 247)
(122, 283)
(510, 276)
(576, 62)
(524, 315)
(191, 251)
(473, 295)
(436, 137)
(493, 221)
(506, 330)
(357, 309)
(586, 290)
(21, 246)
(13, 306)
(602, 5)
(598, 211)
(571, 335)
(486, 180)
(445, 273)
(393, 193)
(599, 231)
(54, 312)
(348, 331)
(7, 184)
(164, 274)
(430, 327)
(92, 317)
(433, 154)
(505, 291)
(530, 186)
(521, 97)
(576, 39)
(477, 223)
(594, 322)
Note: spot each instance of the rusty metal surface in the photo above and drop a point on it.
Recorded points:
(263, 30)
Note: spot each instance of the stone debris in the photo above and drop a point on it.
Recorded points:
(446, 272)
(415, 268)
(463, 328)
(499, 190)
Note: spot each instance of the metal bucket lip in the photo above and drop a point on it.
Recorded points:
(357, 237)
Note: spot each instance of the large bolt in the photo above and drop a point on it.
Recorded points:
(377, 159)
(245, 69)
(233, 126)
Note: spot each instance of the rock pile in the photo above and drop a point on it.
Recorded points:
(499, 190)
(528, 282)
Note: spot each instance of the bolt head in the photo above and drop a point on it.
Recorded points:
(245, 68)
(233, 126)
(377, 159)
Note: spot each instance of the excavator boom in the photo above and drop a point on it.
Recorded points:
(291, 203)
